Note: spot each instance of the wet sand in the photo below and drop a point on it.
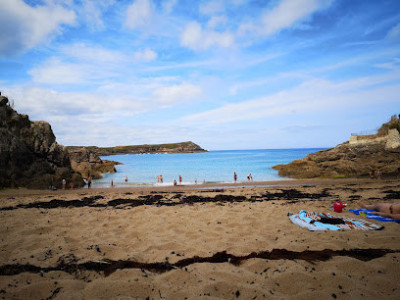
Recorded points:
(195, 242)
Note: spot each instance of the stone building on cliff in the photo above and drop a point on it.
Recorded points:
(388, 134)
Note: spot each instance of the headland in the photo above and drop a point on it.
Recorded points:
(184, 147)
(361, 156)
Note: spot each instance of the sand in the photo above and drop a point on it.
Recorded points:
(184, 242)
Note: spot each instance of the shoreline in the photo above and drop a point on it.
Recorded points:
(199, 187)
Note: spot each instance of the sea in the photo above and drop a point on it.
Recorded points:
(215, 167)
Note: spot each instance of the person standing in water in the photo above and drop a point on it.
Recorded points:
(234, 176)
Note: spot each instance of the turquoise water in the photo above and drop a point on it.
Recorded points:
(211, 167)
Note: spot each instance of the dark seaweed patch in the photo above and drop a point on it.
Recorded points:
(55, 203)
(392, 195)
(293, 194)
(107, 266)
(290, 196)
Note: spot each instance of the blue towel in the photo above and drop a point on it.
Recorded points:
(303, 216)
(311, 221)
(373, 216)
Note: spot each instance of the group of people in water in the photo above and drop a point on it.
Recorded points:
(249, 177)
(159, 178)
(235, 178)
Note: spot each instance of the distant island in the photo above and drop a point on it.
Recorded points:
(184, 147)
(86, 159)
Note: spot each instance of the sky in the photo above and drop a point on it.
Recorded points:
(237, 74)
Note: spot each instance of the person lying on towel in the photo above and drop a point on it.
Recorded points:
(388, 210)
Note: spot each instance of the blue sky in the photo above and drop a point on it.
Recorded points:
(235, 74)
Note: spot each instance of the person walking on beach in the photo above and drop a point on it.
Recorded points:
(89, 182)
(64, 183)
(180, 179)
(161, 179)
(234, 176)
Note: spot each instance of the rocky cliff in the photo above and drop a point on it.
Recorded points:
(88, 163)
(29, 154)
(356, 158)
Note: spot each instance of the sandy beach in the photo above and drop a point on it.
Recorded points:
(195, 242)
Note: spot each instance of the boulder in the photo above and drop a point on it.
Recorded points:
(87, 162)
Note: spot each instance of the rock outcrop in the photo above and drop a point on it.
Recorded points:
(29, 154)
(88, 163)
(356, 158)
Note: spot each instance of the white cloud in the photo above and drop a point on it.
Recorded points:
(392, 64)
(56, 71)
(326, 95)
(46, 104)
(176, 93)
(128, 99)
(139, 14)
(285, 15)
(168, 5)
(23, 27)
(197, 38)
(93, 11)
(92, 53)
(394, 33)
(215, 21)
(289, 12)
(212, 7)
(145, 55)
(81, 64)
